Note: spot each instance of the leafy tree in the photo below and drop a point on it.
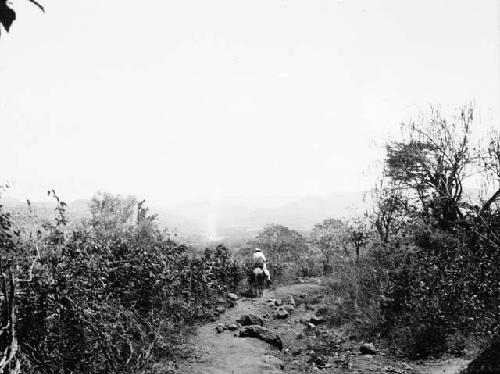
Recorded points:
(432, 162)
(448, 279)
(112, 214)
(328, 236)
(391, 208)
(358, 235)
(147, 225)
(281, 243)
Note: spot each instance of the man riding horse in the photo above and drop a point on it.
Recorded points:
(260, 273)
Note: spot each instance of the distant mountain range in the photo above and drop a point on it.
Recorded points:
(226, 217)
(222, 218)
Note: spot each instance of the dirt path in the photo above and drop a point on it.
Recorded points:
(448, 366)
(227, 353)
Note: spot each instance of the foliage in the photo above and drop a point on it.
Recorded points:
(431, 273)
(114, 295)
(281, 244)
(446, 277)
(391, 209)
(8, 341)
(8, 15)
(353, 291)
(432, 161)
(488, 362)
(358, 235)
(111, 215)
(451, 281)
(329, 236)
(289, 254)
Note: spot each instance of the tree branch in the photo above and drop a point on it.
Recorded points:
(490, 201)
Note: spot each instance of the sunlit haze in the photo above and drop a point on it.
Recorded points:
(172, 101)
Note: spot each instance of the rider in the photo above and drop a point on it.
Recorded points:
(259, 260)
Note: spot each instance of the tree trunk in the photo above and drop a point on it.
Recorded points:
(490, 201)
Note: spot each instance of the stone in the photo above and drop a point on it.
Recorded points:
(272, 303)
(309, 307)
(220, 309)
(318, 360)
(232, 296)
(219, 328)
(232, 326)
(296, 351)
(367, 349)
(262, 333)
(282, 314)
(317, 320)
(250, 319)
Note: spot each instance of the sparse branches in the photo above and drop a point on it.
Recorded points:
(491, 166)
(391, 205)
(354, 234)
(358, 235)
(432, 161)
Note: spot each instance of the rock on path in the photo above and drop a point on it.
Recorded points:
(226, 352)
(262, 333)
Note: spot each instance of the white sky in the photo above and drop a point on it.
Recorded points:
(171, 100)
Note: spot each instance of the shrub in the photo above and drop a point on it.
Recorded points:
(111, 303)
(353, 291)
(448, 282)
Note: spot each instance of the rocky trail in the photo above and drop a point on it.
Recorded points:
(286, 341)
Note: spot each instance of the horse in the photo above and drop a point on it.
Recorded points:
(257, 282)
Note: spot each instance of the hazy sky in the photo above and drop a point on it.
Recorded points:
(171, 100)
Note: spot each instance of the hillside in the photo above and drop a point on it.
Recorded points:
(226, 217)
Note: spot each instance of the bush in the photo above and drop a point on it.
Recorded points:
(353, 292)
(111, 303)
(448, 282)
